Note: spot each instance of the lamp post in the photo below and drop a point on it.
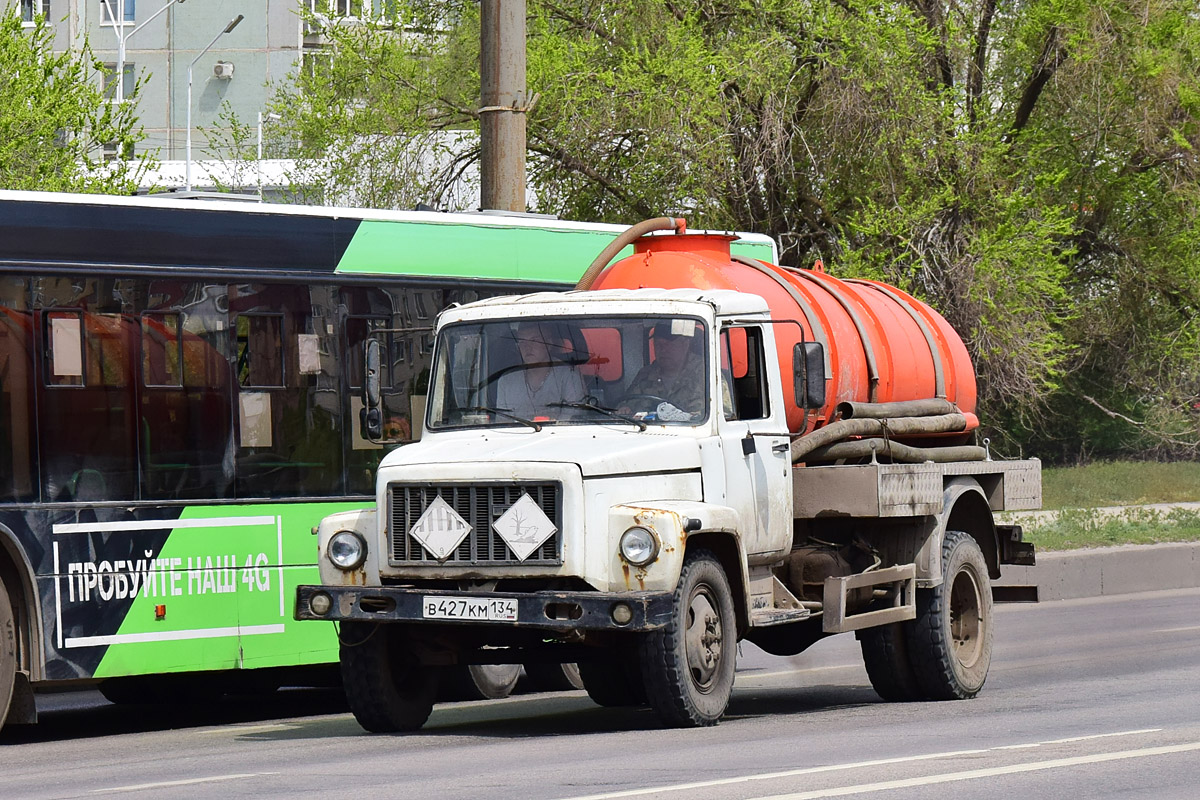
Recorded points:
(118, 21)
(233, 24)
(271, 116)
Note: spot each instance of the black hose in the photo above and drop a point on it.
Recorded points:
(900, 426)
(903, 408)
(863, 448)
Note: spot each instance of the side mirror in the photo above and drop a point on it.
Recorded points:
(371, 381)
(370, 418)
(808, 371)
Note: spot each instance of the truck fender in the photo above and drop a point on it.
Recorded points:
(684, 526)
(364, 522)
(964, 508)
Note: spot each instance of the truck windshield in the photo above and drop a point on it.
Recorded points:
(570, 370)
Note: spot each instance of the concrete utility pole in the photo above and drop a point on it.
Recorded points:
(502, 104)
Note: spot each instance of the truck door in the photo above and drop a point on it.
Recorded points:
(754, 440)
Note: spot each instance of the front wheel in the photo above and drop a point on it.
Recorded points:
(950, 645)
(387, 689)
(688, 665)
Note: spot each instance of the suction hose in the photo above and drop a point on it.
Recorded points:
(864, 448)
(624, 240)
(898, 426)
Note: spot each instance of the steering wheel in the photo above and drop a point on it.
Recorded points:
(649, 402)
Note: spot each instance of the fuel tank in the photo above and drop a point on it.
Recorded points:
(881, 344)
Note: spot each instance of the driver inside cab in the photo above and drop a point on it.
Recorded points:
(675, 376)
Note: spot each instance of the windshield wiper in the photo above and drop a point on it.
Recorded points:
(505, 414)
(606, 411)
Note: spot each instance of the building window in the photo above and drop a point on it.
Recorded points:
(107, 18)
(110, 81)
(30, 9)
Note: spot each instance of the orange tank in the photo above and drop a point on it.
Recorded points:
(881, 344)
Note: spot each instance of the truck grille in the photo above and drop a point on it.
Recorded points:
(480, 505)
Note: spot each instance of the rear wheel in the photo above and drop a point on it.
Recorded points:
(688, 665)
(8, 653)
(481, 681)
(885, 654)
(387, 689)
(614, 682)
(554, 677)
(950, 646)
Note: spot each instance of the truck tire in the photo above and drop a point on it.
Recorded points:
(554, 677)
(480, 681)
(688, 665)
(885, 654)
(8, 653)
(950, 645)
(387, 689)
(614, 683)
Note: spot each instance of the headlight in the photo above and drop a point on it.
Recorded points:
(639, 546)
(346, 550)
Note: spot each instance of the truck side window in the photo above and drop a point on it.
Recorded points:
(743, 378)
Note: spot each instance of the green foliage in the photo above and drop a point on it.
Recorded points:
(1030, 170)
(54, 119)
(1120, 483)
(1088, 528)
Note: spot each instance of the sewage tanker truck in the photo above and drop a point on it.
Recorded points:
(689, 450)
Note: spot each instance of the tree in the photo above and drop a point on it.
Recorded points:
(55, 120)
(1028, 169)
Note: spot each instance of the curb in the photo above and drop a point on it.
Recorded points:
(1095, 572)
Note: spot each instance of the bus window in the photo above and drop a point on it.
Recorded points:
(260, 351)
(90, 453)
(17, 419)
(289, 416)
(162, 350)
(185, 420)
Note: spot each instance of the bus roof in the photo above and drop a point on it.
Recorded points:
(74, 230)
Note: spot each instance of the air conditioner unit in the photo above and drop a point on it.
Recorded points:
(223, 70)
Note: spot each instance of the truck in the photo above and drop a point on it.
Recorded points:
(807, 465)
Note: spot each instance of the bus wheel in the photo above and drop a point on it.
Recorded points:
(387, 689)
(554, 677)
(951, 642)
(688, 665)
(8, 653)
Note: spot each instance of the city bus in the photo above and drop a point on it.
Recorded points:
(180, 396)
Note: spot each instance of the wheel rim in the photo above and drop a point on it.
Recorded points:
(966, 618)
(703, 638)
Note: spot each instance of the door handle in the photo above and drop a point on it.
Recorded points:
(781, 448)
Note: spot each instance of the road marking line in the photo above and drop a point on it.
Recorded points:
(251, 728)
(950, 777)
(679, 787)
(186, 782)
(1101, 736)
(1178, 630)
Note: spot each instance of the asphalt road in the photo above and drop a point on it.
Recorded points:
(1096, 698)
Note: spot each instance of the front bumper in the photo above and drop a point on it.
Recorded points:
(551, 611)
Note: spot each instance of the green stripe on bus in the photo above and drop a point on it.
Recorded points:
(483, 251)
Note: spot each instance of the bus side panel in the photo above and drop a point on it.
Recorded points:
(210, 589)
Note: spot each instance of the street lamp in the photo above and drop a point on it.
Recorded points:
(228, 28)
(118, 21)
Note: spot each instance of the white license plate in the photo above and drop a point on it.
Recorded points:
(476, 609)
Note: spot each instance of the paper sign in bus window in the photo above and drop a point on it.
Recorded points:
(310, 353)
(255, 417)
(66, 344)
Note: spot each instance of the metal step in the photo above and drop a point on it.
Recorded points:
(900, 581)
